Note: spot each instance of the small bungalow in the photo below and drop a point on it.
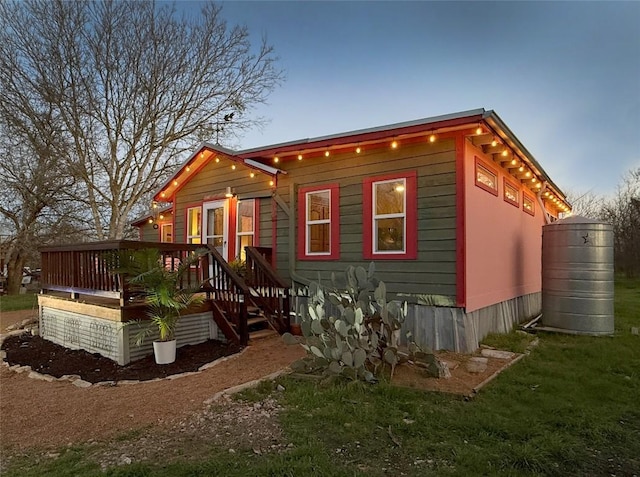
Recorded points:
(449, 208)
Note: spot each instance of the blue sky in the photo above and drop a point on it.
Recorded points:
(564, 76)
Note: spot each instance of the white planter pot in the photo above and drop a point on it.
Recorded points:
(164, 351)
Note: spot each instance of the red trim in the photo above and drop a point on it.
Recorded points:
(334, 223)
(507, 183)
(232, 228)
(256, 222)
(461, 265)
(411, 217)
(274, 232)
(186, 219)
(533, 203)
(256, 227)
(480, 163)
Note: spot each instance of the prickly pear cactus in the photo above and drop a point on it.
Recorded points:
(362, 339)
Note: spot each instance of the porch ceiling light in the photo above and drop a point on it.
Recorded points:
(229, 193)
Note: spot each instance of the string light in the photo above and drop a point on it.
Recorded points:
(494, 143)
(533, 179)
(162, 194)
(175, 183)
(479, 130)
(394, 144)
(326, 153)
(528, 174)
(233, 167)
(358, 150)
(271, 183)
(252, 175)
(150, 221)
(539, 185)
(521, 168)
(299, 157)
(514, 161)
(161, 217)
(505, 152)
(188, 168)
(217, 159)
(276, 159)
(432, 138)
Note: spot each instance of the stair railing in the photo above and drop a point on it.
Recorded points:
(229, 293)
(271, 292)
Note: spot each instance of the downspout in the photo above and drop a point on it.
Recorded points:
(290, 212)
(545, 214)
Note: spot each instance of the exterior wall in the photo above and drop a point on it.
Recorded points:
(210, 182)
(149, 234)
(434, 271)
(503, 244)
(80, 328)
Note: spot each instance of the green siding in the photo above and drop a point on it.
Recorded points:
(210, 183)
(434, 272)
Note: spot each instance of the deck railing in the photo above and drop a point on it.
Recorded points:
(92, 268)
(272, 292)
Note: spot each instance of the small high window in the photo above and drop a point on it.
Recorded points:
(511, 194)
(528, 203)
(486, 177)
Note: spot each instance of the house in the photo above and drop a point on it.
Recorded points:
(450, 209)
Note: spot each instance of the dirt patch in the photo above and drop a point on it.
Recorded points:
(49, 358)
(8, 318)
(462, 380)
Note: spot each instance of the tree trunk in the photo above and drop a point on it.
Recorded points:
(15, 264)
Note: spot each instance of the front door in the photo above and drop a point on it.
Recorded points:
(215, 225)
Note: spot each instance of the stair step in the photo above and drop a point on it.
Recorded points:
(256, 320)
(256, 335)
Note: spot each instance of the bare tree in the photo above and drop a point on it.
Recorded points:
(133, 86)
(586, 204)
(34, 193)
(623, 212)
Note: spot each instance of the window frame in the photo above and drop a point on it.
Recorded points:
(480, 164)
(254, 231)
(506, 183)
(334, 222)
(530, 198)
(187, 228)
(410, 235)
(162, 234)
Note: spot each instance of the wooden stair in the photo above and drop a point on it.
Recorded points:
(258, 325)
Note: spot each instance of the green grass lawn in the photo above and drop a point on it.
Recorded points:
(26, 301)
(570, 408)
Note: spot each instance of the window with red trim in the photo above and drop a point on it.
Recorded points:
(511, 194)
(245, 226)
(528, 203)
(486, 177)
(390, 217)
(319, 222)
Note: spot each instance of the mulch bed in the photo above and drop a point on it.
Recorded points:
(49, 358)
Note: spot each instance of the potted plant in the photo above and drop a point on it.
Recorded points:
(164, 297)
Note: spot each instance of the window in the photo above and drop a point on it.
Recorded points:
(486, 177)
(166, 233)
(245, 217)
(194, 222)
(319, 223)
(511, 193)
(390, 217)
(528, 204)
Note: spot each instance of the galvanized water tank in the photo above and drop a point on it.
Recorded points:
(577, 276)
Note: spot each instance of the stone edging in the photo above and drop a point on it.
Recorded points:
(81, 383)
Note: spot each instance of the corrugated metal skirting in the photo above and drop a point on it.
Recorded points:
(452, 328)
(114, 340)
